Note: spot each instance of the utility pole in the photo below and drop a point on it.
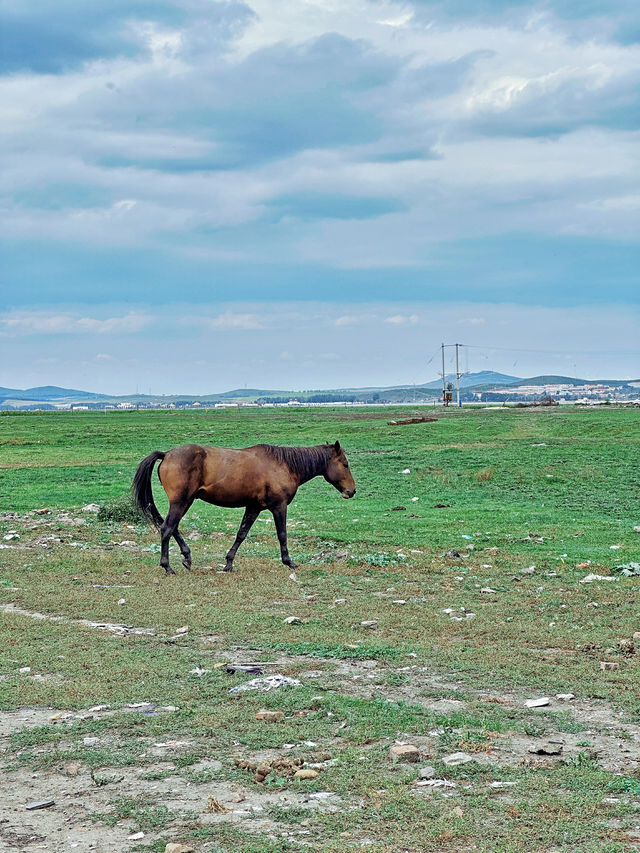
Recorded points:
(447, 387)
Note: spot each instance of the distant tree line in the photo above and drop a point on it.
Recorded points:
(312, 398)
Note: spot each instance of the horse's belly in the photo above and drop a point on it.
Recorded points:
(221, 494)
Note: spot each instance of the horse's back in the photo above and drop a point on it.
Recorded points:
(224, 476)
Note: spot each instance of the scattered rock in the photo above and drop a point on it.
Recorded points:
(90, 741)
(565, 697)
(183, 630)
(404, 752)
(136, 836)
(537, 703)
(40, 804)
(608, 665)
(293, 620)
(436, 783)
(591, 578)
(340, 601)
(452, 553)
(72, 769)
(427, 772)
(629, 570)
(369, 623)
(305, 773)
(269, 682)
(172, 847)
(627, 646)
(269, 716)
(550, 747)
(457, 758)
(528, 571)
(91, 508)
(122, 601)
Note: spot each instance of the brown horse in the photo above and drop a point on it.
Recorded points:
(258, 478)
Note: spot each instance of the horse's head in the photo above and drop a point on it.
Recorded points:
(338, 473)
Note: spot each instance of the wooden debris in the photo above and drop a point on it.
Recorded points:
(420, 420)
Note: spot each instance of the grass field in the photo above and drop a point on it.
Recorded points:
(532, 500)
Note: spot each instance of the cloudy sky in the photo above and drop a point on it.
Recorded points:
(199, 195)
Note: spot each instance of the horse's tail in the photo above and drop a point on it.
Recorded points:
(141, 488)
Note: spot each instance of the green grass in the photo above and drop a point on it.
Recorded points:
(481, 480)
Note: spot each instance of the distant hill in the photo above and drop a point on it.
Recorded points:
(567, 380)
(485, 382)
(48, 392)
(470, 380)
(250, 392)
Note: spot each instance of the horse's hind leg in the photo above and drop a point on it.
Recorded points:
(169, 528)
(250, 515)
(184, 549)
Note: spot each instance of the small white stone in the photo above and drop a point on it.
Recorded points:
(537, 703)
(457, 758)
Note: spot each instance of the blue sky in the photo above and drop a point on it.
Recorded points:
(198, 195)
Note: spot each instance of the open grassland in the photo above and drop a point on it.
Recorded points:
(532, 501)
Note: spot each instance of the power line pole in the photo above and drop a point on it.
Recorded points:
(457, 378)
(444, 384)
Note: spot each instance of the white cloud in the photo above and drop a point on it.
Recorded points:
(78, 127)
(530, 339)
(52, 323)
(240, 322)
(403, 319)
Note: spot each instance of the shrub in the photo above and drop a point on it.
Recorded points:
(484, 475)
(121, 509)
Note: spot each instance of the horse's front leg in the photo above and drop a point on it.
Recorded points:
(250, 515)
(280, 518)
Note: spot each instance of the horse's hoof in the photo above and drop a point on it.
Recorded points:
(228, 567)
(169, 571)
(292, 565)
(187, 564)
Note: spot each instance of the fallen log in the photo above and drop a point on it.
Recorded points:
(422, 420)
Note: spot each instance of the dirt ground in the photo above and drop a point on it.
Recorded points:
(80, 793)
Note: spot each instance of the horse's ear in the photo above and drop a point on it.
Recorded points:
(336, 447)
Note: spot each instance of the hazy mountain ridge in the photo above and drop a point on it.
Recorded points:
(485, 381)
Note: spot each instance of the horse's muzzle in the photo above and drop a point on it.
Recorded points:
(348, 493)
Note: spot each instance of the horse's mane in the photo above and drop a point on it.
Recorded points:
(305, 462)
